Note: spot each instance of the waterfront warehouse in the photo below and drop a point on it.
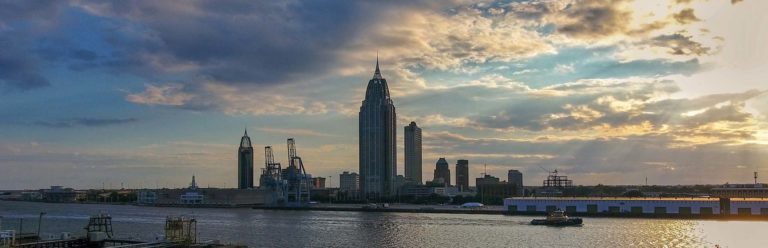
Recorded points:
(611, 206)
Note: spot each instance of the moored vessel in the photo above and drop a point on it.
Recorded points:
(557, 218)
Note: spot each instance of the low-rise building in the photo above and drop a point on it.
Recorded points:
(59, 194)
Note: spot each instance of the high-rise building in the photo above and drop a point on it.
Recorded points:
(245, 163)
(318, 182)
(442, 172)
(413, 153)
(462, 174)
(377, 129)
(349, 181)
(515, 177)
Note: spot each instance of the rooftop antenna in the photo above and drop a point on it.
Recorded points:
(755, 177)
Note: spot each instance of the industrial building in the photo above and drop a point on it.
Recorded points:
(639, 206)
(288, 186)
(193, 195)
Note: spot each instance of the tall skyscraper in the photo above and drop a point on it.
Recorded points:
(462, 174)
(377, 129)
(442, 172)
(245, 163)
(516, 177)
(413, 153)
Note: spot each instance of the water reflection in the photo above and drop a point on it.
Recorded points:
(262, 228)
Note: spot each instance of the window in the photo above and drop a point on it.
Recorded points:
(684, 210)
(614, 209)
(745, 211)
(592, 208)
(530, 208)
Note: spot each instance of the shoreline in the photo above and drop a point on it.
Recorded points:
(433, 209)
(501, 211)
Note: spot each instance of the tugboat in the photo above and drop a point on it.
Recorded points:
(557, 218)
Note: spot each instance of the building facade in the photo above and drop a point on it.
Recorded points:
(377, 147)
(486, 179)
(349, 182)
(515, 177)
(462, 174)
(318, 182)
(442, 172)
(639, 205)
(413, 153)
(758, 190)
(245, 163)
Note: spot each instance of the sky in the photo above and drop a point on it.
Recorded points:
(148, 93)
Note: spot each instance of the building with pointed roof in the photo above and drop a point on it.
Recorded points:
(377, 130)
(245, 163)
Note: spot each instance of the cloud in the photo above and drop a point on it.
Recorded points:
(171, 94)
(590, 108)
(19, 70)
(679, 44)
(603, 160)
(21, 24)
(228, 99)
(86, 122)
(562, 68)
(293, 132)
(686, 16)
(595, 19)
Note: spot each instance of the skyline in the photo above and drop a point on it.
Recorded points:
(608, 92)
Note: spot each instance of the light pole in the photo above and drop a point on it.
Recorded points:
(330, 188)
(39, 223)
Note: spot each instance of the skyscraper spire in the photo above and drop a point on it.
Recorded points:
(377, 73)
(246, 132)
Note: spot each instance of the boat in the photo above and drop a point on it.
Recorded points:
(557, 218)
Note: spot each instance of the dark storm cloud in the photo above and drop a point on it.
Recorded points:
(232, 41)
(18, 69)
(86, 122)
(20, 23)
(31, 11)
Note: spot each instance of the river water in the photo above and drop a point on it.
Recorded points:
(275, 228)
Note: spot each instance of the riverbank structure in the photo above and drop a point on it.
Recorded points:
(638, 206)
